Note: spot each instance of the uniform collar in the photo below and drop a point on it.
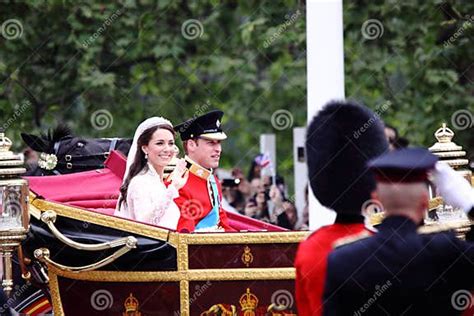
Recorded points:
(397, 223)
(342, 218)
(197, 169)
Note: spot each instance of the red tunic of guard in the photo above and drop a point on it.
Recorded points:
(311, 261)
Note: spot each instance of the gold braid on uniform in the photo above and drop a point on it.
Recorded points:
(350, 239)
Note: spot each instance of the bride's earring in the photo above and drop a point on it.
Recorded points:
(146, 156)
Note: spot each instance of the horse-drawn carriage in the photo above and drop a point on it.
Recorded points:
(86, 261)
(91, 262)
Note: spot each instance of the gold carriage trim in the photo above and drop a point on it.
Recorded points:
(98, 219)
(179, 241)
(37, 206)
(239, 238)
(175, 276)
(55, 295)
(184, 297)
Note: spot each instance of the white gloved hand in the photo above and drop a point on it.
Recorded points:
(453, 188)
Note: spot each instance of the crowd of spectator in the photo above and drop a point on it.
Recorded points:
(261, 196)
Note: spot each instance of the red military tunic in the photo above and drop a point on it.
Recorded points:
(194, 202)
(311, 262)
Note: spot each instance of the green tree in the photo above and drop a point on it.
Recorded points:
(419, 60)
(81, 61)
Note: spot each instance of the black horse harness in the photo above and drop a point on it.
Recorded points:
(51, 161)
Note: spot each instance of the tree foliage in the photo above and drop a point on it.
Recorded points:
(134, 59)
(422, 64)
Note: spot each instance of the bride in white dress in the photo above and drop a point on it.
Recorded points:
(147, 197)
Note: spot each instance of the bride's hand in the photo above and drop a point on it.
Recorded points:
(179, 176)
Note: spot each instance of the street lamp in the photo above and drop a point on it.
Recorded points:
(14, 216)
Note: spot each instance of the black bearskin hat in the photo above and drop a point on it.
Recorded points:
(340, 140)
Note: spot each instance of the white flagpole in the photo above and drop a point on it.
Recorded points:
(325, 68)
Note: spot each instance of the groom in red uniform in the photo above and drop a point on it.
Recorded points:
(200, 200)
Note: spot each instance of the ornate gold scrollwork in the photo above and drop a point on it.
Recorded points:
(247, 257)
(49, 218)
(43, 254)
(219, 309)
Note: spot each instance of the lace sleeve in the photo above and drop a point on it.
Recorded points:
(148, 203)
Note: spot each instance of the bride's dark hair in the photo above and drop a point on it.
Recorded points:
(139, 161)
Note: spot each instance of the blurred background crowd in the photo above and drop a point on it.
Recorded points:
(261, 195)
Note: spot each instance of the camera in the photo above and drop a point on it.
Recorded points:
(230, 182)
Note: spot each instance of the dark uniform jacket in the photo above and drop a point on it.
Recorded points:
(400, 272)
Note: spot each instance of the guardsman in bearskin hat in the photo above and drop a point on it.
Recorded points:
(200, 200)
(340, 139)
(399, 271)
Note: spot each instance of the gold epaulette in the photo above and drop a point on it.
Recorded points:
(197, 170)
(350, 239)
(438, 228)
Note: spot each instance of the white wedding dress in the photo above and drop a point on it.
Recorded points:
(150, 201)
